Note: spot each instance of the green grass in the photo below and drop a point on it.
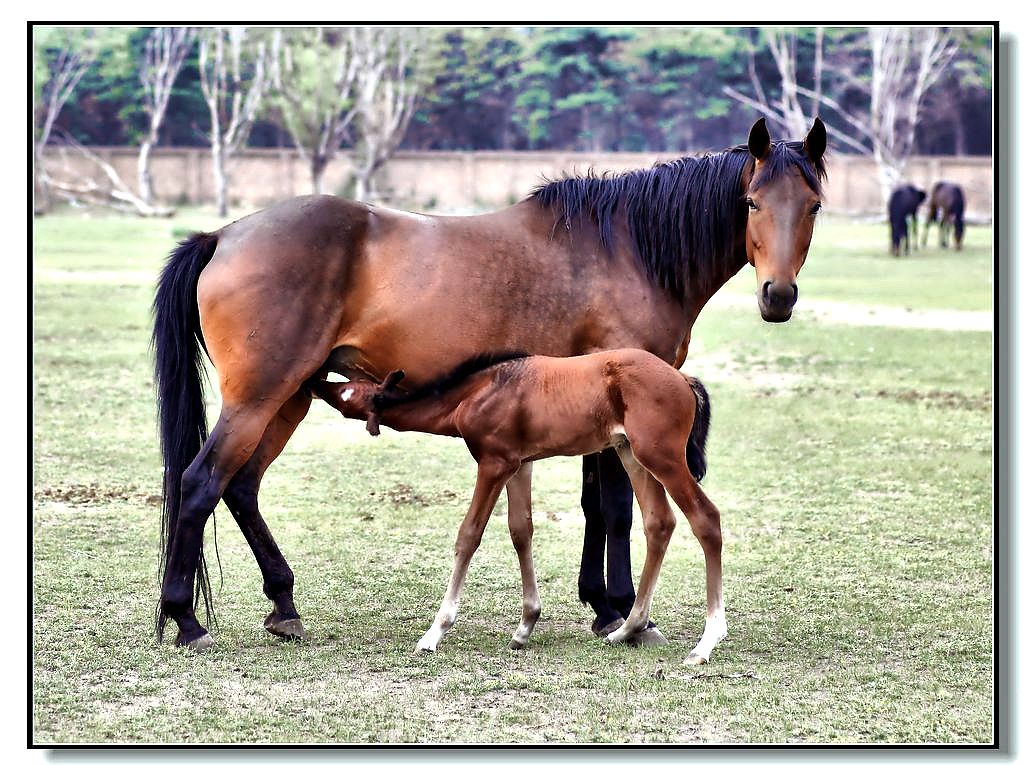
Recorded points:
(852, 466)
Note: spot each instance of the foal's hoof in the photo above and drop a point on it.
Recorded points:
(198, 644)
(515, 645)
(694, 659)
(647, 638)
(288, 629)
(607, 629)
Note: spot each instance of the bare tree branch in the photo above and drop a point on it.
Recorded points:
(232, 95)
(165, 51)
(312, 76)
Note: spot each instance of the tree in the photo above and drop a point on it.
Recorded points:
(468, 102)
(232, 72)
(674, 99)
(571, 86)
(164, 53)
(889, 70)
(313, 74)
(385, 93)
(61, 58)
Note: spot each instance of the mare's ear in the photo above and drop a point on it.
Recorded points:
(759, 142)
(816, 141)
(393, 379)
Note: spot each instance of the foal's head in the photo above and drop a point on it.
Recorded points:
(783, 196)
(359, 399)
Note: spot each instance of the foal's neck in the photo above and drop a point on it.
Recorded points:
(434, 414)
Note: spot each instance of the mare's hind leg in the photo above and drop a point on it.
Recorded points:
(520, 527)
(659, 524)
(241, 499)
(231, 443)
(491, 477)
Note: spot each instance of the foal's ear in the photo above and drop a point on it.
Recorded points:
(816, 140)
(393, 379)
(759, 142)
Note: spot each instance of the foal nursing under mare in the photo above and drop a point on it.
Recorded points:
(522, 409)
(319, 284)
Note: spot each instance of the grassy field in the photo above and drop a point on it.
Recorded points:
(852, 466)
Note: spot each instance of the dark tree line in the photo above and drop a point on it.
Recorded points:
(576, 88)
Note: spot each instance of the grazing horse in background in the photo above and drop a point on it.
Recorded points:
(320, 284)
(946, 206)
(512, 410)
(903, 204)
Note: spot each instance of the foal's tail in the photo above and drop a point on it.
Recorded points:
(178, 342)
(696, 459)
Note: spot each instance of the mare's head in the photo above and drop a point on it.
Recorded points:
(783, 196)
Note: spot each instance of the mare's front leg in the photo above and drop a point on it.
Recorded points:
(491, 476)
(591, 584)
(520, 527)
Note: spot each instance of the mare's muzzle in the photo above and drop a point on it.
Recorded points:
(776, 301)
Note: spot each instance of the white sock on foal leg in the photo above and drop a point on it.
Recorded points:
(714, 632)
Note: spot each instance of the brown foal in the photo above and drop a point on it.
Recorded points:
(514, 409)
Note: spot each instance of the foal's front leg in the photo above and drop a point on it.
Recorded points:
(491, 477)
(520, 527)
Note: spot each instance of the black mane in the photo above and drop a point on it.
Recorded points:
(684, 217)
(446, 382)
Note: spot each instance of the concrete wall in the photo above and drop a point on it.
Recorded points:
(463, 181)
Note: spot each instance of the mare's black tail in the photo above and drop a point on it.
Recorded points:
(696, 459)
(177, 341)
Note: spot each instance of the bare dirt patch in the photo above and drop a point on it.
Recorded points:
(92, 494)
(942, 399)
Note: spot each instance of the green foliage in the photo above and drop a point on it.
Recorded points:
(617, 88)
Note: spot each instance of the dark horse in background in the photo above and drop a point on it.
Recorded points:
(903, 204)
(946, 206)
(320, 284)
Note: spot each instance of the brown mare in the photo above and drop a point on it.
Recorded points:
(320, 284)
(946, 205)
(517, 410)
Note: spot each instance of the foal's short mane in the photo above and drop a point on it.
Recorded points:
(446, 382)
(684, 217)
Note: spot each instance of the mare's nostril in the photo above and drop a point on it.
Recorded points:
(764, 291)
(795, 292)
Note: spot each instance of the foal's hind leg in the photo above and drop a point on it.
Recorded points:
(491, 477)
(231, 443)
(520, 527)
(658, 526)
(705, 523)
(241, 499)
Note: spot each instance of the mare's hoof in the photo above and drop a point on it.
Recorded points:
(515, 645)
(607, 629)
(198, 644)
(288, 629)
(649, 637)
(694, 659)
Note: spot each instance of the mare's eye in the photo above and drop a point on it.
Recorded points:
(751, 204)
(816, 208)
